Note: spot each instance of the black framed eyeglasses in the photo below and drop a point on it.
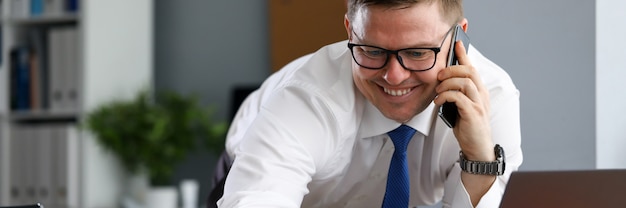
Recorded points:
(412, 59)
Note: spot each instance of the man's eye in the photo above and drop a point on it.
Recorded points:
(417, 54)
(373, 53)
(414, 53)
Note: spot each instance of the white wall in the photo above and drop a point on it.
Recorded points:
(118, 46)
(610, 84)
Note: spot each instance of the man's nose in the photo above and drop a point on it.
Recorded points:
(395, 72)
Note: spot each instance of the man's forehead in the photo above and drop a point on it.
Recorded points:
(427, 12)
(408, 26)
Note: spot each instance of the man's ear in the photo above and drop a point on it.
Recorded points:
(346, 23)
(463, 24)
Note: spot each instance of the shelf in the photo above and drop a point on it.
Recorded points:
(43, 116)
(43, 20)
(78, 59)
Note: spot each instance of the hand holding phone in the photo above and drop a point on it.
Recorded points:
(448, 111)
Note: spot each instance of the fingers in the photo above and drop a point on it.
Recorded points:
(464, 60)
(462, 85)
(462, 77)
(466, 106)
(456, 85)
(461, 53)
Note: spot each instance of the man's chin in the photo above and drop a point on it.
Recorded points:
(400, 117)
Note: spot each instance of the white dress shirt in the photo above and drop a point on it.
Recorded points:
(308, 138)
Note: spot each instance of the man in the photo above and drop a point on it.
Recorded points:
(323, 131)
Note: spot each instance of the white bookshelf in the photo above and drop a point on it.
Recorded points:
(114, 59)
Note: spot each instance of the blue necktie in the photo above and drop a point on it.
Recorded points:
(397, 192)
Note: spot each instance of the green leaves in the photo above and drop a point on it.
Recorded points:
(156, 134)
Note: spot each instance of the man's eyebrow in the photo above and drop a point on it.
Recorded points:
(421, 44)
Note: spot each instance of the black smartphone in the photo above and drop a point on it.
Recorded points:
(448, 111)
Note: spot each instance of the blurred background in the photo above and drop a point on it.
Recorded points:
(563, 55)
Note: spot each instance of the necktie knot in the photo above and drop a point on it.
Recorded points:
(401, 137)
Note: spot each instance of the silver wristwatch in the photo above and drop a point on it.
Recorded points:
(484, 168)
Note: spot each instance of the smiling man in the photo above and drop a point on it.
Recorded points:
(355, 124)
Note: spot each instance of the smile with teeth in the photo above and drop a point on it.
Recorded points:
(399, 92)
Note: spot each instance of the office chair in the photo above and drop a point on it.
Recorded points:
(38, 205)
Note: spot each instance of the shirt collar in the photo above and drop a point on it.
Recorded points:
(374, 123)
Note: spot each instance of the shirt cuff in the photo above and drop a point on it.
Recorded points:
(491, 199)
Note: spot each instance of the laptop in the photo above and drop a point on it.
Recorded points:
(571, 189)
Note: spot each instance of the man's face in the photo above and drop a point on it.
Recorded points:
(398, 93)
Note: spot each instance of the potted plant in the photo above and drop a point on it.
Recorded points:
(155, 134)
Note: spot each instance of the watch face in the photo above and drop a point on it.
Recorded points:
(499, 152)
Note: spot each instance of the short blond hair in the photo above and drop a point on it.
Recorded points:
(452, 10)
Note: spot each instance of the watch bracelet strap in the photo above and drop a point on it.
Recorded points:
(496, 167)
(482, 168)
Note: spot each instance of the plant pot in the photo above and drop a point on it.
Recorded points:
(138, 185)
(162, 197)
(189, 193)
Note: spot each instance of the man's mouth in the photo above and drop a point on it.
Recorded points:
(397, 92)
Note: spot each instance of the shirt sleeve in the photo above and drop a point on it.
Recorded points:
(280, 152)
(506, 132)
